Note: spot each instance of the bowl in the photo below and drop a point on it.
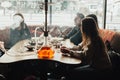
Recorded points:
(29, 47)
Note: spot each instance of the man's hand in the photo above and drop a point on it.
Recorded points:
(2, 46)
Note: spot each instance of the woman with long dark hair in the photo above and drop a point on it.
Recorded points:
(92, 50)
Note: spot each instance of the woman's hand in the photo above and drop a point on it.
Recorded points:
(63, 47)
(65, 50)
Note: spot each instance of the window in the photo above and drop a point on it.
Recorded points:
(31, 9)
(113, 15)
(63, 11)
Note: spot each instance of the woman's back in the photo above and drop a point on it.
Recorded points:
(97, 52)
(100, 58)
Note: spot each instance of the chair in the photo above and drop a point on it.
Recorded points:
(2, 77)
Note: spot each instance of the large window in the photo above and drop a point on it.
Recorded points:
(31, 9)
(63, 11)
(113, 15)
(60, 12)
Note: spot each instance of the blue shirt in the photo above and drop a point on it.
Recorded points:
(17, 35)
(74, 35)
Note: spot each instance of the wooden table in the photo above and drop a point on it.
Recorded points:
(7, 58)
(14, 55)
(19, 53)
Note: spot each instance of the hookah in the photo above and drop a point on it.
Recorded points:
(45, 51)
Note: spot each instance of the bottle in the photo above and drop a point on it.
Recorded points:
(45, 51)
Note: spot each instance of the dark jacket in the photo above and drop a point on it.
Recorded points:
(74, 35)
(17, 35)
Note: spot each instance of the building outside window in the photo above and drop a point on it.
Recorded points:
(33, 11)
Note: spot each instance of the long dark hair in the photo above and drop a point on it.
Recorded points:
(89, 29)
(90, 33)
(94, 17)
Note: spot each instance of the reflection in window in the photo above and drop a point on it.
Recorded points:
(63, 11)
(67, 10)
(113, 16)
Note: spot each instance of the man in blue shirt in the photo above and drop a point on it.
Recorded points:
(75, 34)
(19, 30)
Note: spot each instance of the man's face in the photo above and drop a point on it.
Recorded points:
(17, 20)
(77, 21)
